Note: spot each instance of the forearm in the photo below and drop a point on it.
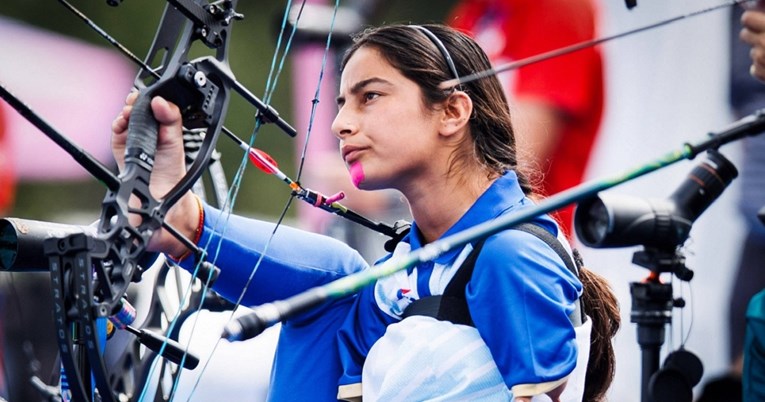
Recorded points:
(290, 262)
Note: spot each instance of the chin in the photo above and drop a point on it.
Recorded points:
(366, 185)
(370, 184)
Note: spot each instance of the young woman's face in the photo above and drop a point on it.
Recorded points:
(387, 135)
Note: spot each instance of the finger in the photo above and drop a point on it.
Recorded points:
(132, 96)
(120, 123)
(747, 36)
(753, 20)
(757, 54)
(757, 71)
(753, 38)
(170, 122)
(165, 112)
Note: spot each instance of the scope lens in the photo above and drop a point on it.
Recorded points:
(596, 222)
(8, 245)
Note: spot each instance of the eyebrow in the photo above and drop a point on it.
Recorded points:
(356, 88)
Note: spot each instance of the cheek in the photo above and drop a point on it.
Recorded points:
(357, 174)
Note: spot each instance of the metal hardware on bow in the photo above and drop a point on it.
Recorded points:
(22, 250)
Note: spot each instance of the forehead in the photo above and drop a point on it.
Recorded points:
(365, 63)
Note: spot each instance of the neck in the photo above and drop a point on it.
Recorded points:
(438, 205)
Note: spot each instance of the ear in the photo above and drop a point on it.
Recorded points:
(456, 114)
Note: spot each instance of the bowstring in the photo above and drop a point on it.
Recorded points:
(270, 89)
(232, 195)
(315, 101)
(184, 299)
(226, 210)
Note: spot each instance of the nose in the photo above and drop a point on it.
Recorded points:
(343, 125)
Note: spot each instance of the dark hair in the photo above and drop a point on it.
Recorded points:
(600, 304)
(416, 56)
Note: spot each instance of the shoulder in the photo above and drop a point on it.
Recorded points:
(516, 242)
(519, 264)
(523, 252)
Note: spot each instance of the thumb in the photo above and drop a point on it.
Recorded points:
(165, 112)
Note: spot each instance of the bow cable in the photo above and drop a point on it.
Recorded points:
(234, 190)
(265, 110)
(305, 145)
(271, 86)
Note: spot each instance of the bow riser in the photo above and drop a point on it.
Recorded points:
(112, 255)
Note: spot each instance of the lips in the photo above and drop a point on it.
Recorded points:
(351, 153)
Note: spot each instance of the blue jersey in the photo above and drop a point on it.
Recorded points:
(520, 296)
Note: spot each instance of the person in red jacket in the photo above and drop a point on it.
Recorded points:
(556, 104)
(7, 193)
(7, 172)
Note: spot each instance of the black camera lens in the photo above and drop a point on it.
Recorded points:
(611, 220)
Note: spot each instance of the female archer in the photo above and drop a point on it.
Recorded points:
(451, 153)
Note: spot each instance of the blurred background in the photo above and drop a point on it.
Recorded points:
(73, 77)
(663, 88)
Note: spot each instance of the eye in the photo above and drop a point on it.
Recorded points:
(370, 96)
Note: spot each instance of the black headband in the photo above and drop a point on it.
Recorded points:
(441, 48)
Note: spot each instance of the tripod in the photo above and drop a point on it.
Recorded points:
(652, 303)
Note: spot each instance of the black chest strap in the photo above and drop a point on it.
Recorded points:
(452, 305)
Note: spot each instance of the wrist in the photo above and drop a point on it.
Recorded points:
(187, 217)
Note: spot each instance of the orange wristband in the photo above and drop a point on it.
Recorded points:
(197, 231)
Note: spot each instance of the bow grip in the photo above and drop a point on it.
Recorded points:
(141, 142)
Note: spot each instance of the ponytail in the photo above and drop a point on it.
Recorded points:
(600, 304)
